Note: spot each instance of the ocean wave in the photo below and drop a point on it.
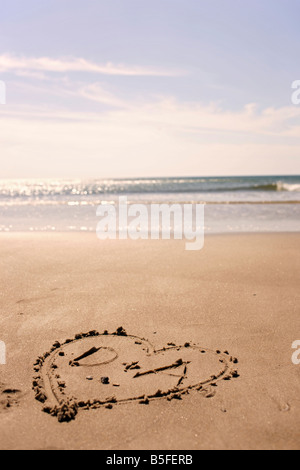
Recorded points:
(288, 187)
(277, 186)
(73, 189)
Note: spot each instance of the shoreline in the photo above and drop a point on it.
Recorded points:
(93, 233)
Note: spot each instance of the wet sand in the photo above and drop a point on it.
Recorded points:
(203, 359)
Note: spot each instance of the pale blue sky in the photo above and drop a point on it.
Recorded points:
(149, 88)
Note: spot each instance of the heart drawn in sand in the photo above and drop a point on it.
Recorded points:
(96, 370)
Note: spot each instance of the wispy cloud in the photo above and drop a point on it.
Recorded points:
(164, 112)
(96, 92)
(155, 137)
(68, 127)
(10, 62)
(111, 146)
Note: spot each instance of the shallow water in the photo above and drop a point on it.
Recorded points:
(237, 204)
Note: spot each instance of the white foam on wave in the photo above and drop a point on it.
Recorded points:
(288, 187)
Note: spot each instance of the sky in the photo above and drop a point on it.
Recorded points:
(139, 88)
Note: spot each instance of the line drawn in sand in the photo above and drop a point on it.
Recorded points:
(96, 370)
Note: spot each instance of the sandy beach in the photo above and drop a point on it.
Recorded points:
(230, 313)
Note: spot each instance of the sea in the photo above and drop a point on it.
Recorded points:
(232, 204)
